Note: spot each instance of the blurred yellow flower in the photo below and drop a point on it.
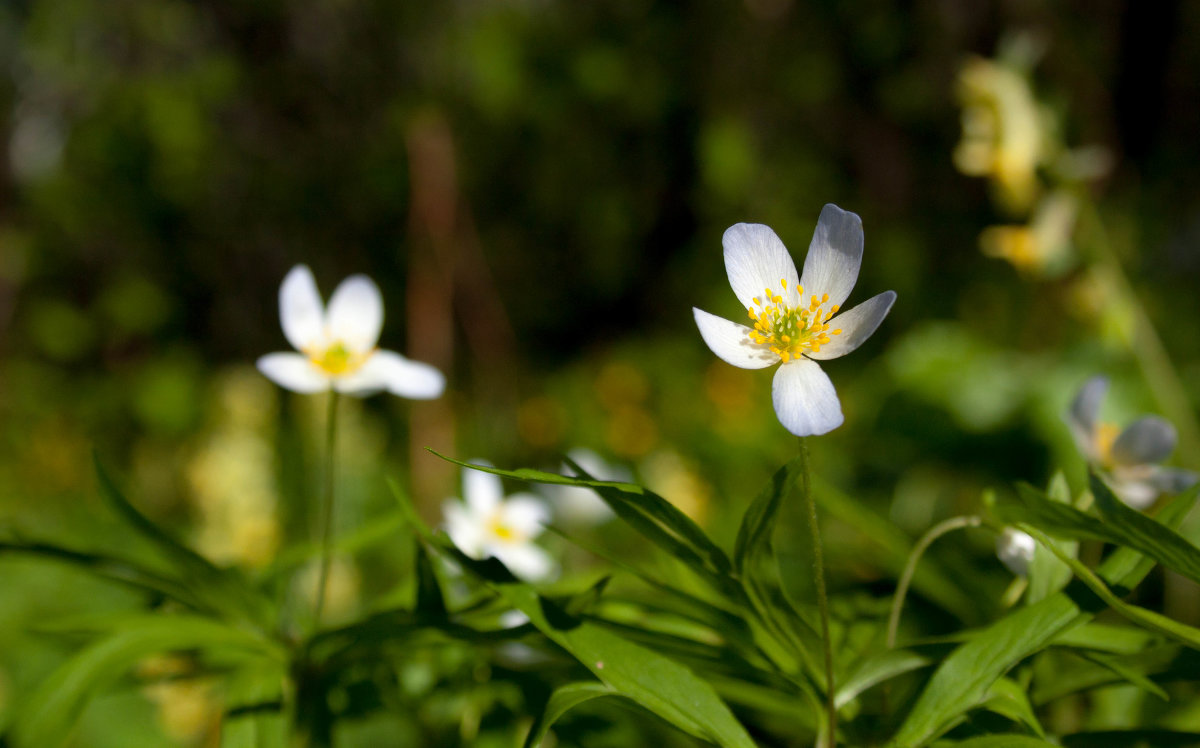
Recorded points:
(1042, 248)
(1003, 131)
(189, 708)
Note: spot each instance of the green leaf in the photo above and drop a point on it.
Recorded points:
(564, 699)
(997, 741)
(1127, 674)
(48, 715)
(758, 523)
(112, 568)
(1008, 699)
(1104, 637)
(659, 684)
(877, 669)
(1182, 633)
(429, 599)
(1143, 533)
(221, 590)
(962, 680)
(1132, 739)
(254, 713)
(890, 547)
(1047, 574)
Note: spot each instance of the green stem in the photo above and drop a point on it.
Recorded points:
(910, 568)
(819, 582)
(326, 521)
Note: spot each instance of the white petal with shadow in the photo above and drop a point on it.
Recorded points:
(756, 260)
(301, 312)
(1147, 440)
(834, 255)
(388, 370)
(294, 372)
(856, 325)
(355, 315)
(731, 342)
(805, 400)
(1081, 418)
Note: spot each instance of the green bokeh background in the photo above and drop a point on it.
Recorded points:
(540, 189)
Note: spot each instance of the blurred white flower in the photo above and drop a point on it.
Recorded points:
(1015, 549)
(583, 506)
(337, 344)
(1127, 457)
(485, 523)
(790, 327)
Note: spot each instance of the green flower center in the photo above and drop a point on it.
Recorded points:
(337, 359)
(790, 332)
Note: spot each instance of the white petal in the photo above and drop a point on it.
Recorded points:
(1016, 549)
(482, 491)
(756, 260)
(1147, 440)
(355, 314)
(526, 561)
(300, 309)
(856, 325)
(463, 527)
(834, 255)
(731, 341)
(1172, 480)
(1081, 418)
(525, 514)
(388, 370)
(294, 372)
(805, 401)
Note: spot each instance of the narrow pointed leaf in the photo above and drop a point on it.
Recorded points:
(564, 699)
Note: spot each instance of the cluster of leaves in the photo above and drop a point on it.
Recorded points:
(722, 650)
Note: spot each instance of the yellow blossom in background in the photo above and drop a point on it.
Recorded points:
(189, 708)
(342, 588)
(1042, 248)
(670, 476)
(1003, 131)
(232, 486)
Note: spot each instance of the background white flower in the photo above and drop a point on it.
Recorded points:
(1126, 457)
(1016, 549)
(485, 523)
(337, 344)
(794, 322)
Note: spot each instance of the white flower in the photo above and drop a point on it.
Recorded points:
(1127, 457)
(487, 524)
(1015, 549)
(337, 344)
(793, 316)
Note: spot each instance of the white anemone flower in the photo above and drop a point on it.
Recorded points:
(1016, 548)
(485, 523)
(1127, 457)
(793, 316)
(336, 344)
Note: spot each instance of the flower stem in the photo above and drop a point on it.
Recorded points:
(910, 568)
(326, 520)
(819, 582)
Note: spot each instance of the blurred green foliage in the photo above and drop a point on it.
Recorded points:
(563, 172)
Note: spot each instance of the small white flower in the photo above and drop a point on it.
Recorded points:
(1015, 549)
(1127, 457)
(793, 315)
(337, 344)
(485, 523)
